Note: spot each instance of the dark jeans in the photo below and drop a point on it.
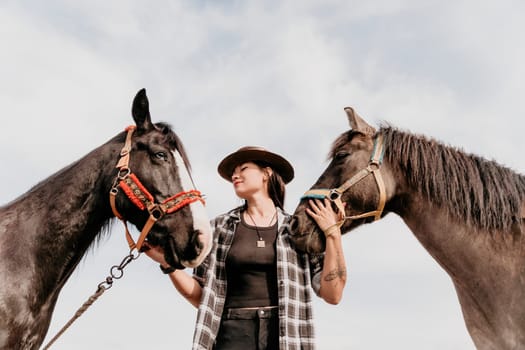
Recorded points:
(249, 328)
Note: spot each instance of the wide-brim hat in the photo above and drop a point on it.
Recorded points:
(255, 153)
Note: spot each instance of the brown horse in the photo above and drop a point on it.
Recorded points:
(141, 176)
(466, 211)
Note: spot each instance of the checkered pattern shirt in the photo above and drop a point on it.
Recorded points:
(297, 273)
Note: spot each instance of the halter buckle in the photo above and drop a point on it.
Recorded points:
(372, 166)
(123, 173)
(334, 195)
(156, 211)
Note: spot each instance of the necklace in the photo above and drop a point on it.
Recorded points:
(260, 242)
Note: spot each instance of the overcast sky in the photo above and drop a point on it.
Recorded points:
(271, 73)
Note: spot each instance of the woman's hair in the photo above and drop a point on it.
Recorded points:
(276, 185)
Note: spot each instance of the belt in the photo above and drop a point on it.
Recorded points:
(250, 313)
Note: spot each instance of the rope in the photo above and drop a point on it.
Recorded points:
(77, 314)
(116, 272)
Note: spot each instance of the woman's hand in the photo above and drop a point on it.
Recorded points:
(333, 275)
(324, 215)
(187, 286)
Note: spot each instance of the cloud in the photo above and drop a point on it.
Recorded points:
(277, 74)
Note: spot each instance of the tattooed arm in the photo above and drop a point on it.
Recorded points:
(333, 275)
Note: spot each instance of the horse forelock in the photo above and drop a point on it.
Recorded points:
(487, 195)
(174, 142)
(339, 142)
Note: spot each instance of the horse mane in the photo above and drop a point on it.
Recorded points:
(487, 195)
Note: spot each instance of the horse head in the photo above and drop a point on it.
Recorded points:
(354, 182)
(154, 191)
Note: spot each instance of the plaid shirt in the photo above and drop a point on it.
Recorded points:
(297, 275)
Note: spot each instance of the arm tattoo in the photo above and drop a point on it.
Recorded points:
(338, 273)
(334, 274)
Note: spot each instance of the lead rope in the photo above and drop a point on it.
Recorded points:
(116, 272)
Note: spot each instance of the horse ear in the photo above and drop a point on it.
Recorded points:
(140, 111)
(358, 124)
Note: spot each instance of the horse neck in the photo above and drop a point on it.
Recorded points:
(485, 267)
(439, 234)
(63, 214)
(458, 247)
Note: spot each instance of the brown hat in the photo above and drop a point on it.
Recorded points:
(254, 153)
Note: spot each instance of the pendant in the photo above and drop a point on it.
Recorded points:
(261, 244)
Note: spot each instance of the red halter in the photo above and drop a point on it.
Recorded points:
(140, 196)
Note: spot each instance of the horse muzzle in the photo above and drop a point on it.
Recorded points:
(306, 236)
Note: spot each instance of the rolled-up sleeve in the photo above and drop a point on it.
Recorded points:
(316, 267)
(199, 273)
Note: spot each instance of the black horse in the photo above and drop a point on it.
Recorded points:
(45, 232)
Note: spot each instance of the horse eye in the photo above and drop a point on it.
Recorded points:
(341, 155)
(161, 155)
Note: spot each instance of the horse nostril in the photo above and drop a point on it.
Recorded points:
(197, 243)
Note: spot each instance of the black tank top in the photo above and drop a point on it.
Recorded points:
(251, 271)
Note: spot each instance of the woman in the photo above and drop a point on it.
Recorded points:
(254, 290)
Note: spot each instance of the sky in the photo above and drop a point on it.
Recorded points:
(276, 74)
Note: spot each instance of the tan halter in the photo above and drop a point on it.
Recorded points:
(140, 196)
(335, 194)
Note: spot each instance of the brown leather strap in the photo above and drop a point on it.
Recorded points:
(123, 164)
(382, 193)
(112, 196)
(341, 213)
(145, 230)
(124, 152)
(382, 199)
(129, 238)
(354, 179)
